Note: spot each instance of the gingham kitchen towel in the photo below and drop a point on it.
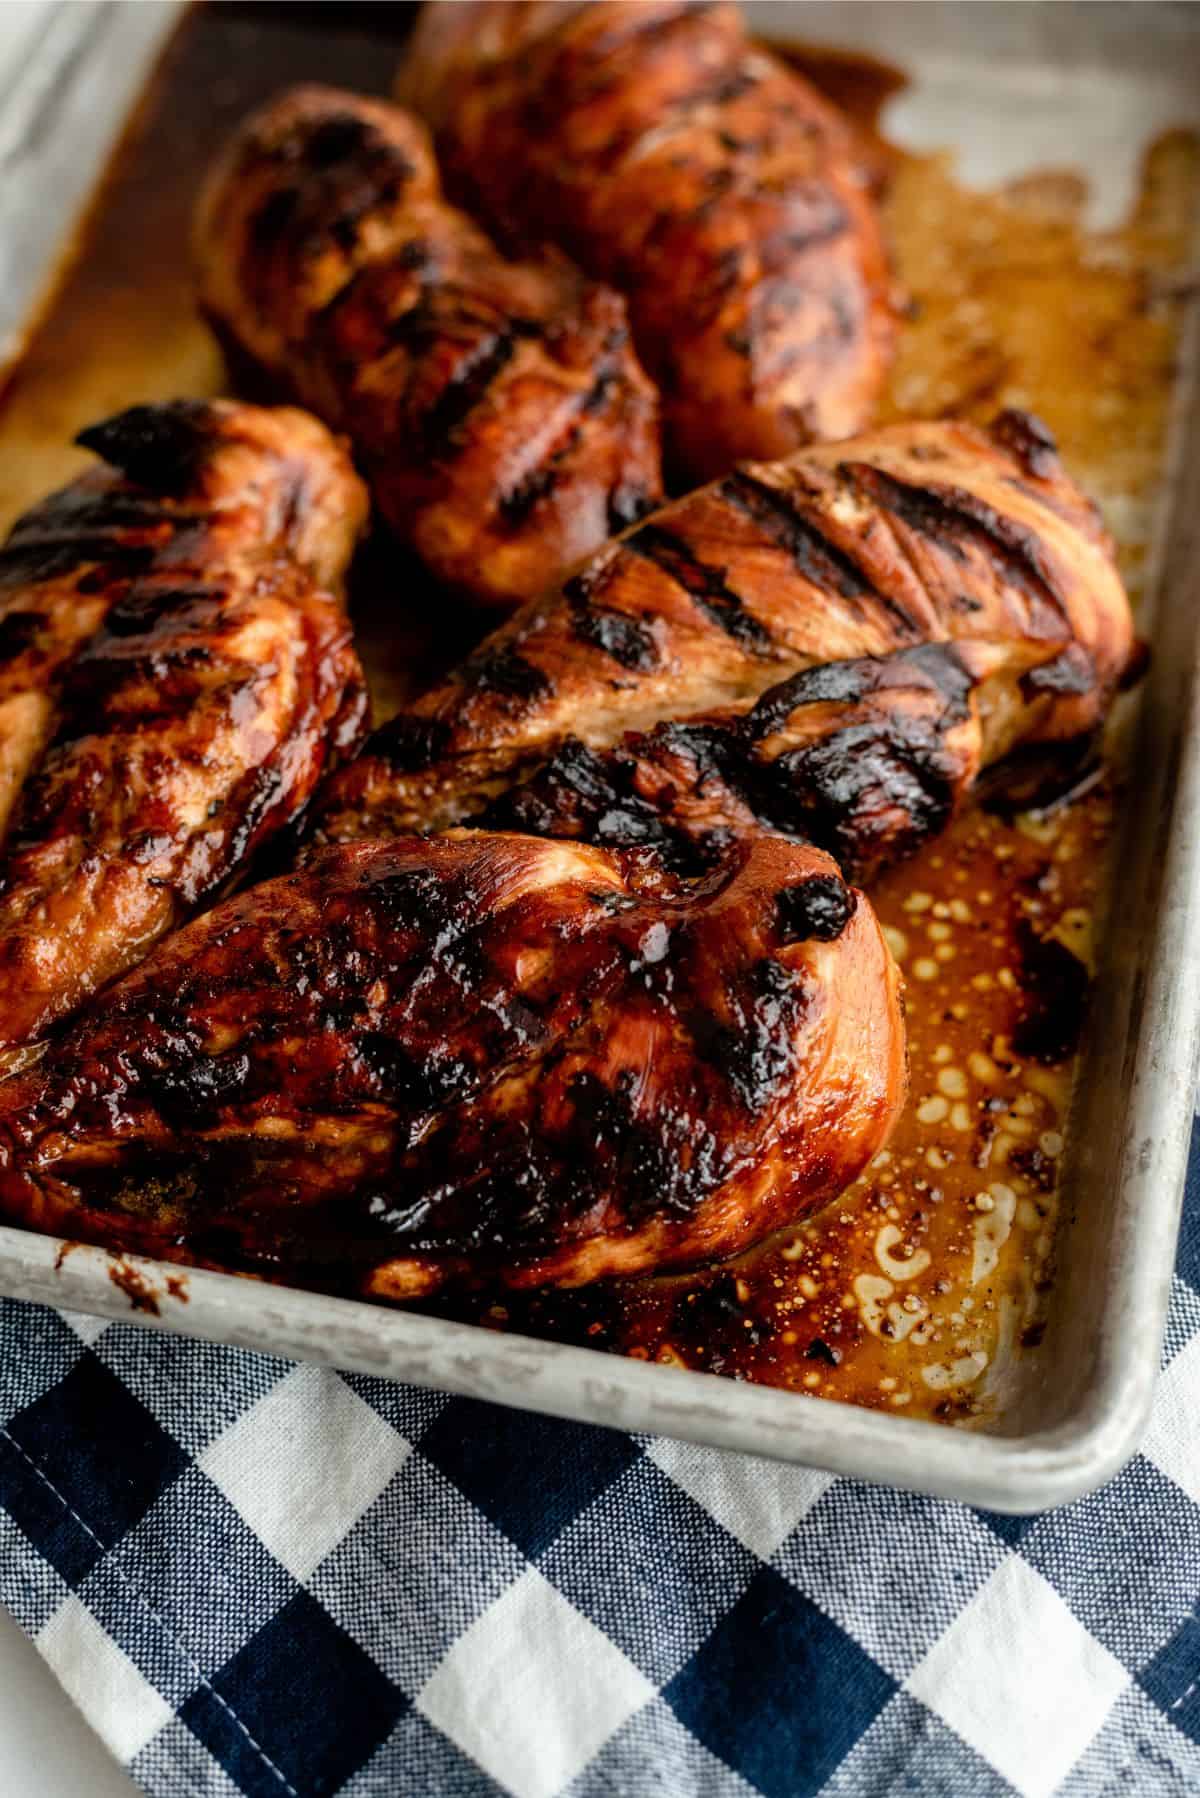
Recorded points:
(266, 1579)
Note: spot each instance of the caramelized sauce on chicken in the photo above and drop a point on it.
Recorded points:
(671, 156)
(497, 407)
(1015, 303)
(474, 1057)
(176, 673)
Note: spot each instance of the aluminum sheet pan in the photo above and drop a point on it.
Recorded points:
(1008, 87)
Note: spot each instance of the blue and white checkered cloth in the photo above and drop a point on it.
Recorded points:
(267, 1579)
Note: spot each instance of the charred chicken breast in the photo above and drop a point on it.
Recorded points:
(496, 407)
(841, 642)
(696, 173)
(176, 675)
(474, 1057)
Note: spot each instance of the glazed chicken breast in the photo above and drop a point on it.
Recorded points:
(176, 673)
(699, 175)
(841, 642)
(474, 1058)
(497, 408)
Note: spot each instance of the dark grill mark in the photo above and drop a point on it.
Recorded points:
(1071, 672)
(606, 382)
(837, 683)
(273, 219)
(591, 797)
(408, 743)
(31, 561)
(19, 632)
(777, 516)
(815, 909)
(336, 139)
(414, 254)
(344, 222)
(190, 1097)
(934, 666)
(756, 1051)
(955, 520)
(872, 789)
(160, 447)
(1031, 441)
(410, 1083)
(506, 672)
(516, 505)
(616, 635)
(464, 391)
(706, 585)
(142, 606)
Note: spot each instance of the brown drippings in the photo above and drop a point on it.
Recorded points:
(892, 1282)
(136, 1287)
(1015, 303)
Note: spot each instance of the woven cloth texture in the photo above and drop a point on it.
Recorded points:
(255, 1577)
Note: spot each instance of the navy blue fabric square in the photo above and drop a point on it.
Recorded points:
(530, 1475)
(1187, 1259)
(100, 1451)
(44, 1517)
(1172, 1678)
(301, 1700)
(1009, 1529)
(779, 1691)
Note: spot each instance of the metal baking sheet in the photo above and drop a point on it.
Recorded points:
(1008, 88)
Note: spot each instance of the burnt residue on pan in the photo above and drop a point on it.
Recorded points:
(911, 1291)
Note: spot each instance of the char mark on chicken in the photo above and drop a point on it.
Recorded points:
(840, 642)
(698, 174)
(497, 408)
(476, 1057)
(176, 674)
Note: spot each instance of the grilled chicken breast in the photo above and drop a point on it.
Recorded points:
(865, 758)
(474, 1057)
(496, 407)
(959, 583)
(176, 675)
(696, 173)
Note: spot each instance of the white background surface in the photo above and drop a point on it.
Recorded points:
(46, 1748)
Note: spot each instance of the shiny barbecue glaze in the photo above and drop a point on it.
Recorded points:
(892, 613)
(701, 176)
(475, 1057)
(1016, 303)
(175, 675)
(917, 1288)
(497, 407)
